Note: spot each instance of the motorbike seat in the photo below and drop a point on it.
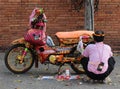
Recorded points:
(71, 37)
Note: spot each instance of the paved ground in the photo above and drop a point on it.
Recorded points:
(30, 80)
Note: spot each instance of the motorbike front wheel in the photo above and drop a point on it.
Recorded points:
(12, 61)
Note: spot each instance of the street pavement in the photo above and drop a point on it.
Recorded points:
(30, 79)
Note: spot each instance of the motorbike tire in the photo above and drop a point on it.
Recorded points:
(77, 67)
(12, 62)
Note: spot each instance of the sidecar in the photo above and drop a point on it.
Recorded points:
(71, 37)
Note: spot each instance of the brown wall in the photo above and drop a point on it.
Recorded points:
(14, 17)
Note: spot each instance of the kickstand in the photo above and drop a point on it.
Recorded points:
(59, 72)
(47, 67)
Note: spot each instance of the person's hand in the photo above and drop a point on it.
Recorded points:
(79, 59)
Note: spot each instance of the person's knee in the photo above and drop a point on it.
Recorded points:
(84, 60)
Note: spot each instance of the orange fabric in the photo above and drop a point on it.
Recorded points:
(73, 34)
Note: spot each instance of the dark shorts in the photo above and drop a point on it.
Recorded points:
(111, 63)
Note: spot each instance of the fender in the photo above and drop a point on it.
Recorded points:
(28, 45)
(19, 41)
(22, 41)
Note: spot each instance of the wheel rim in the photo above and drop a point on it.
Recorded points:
(13, 59)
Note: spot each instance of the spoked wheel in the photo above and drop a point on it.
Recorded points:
(77, 67)
(12, 59)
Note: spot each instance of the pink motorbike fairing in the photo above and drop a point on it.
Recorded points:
(36, 37)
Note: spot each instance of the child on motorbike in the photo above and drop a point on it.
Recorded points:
(97, 59)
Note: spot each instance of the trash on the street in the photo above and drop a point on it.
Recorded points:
(74, 77)
(45, 77)
(80, 83)
(18, 75)
(64, 76)
(61, 77)
(19, 81)
(67, 74)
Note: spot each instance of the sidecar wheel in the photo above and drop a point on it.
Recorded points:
(77, 67)
(12, 61)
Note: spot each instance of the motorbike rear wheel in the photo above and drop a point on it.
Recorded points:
(77, 67)
(12, 61)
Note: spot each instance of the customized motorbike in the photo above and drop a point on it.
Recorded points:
(32, 48)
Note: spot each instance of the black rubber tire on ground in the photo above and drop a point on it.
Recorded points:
(8, 53)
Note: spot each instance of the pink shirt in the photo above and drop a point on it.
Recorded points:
(97, 52)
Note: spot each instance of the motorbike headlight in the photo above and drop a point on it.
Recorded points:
(52, 59)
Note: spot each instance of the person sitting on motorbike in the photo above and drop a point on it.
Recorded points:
(38, 18)
(97, 59)
(84, 40)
